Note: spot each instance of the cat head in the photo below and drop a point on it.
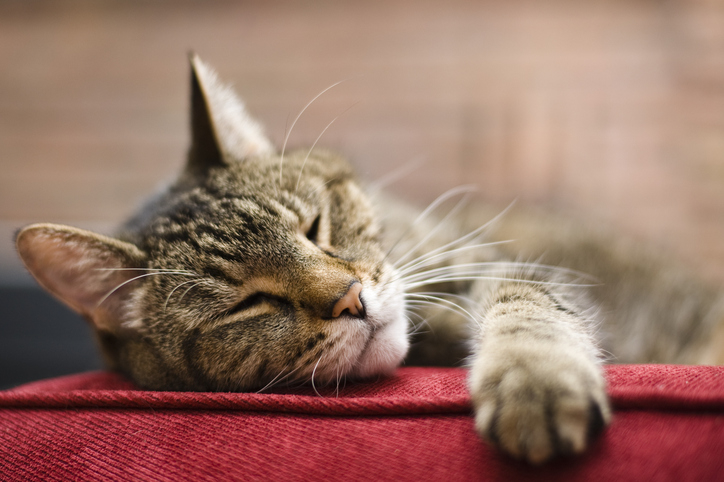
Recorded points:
(249, 270)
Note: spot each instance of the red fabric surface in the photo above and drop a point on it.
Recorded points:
(668, 425)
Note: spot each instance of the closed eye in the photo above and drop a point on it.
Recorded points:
(256, 299)
(313, 231)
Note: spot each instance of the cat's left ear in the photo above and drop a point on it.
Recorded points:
(222, 131)
(88, 272)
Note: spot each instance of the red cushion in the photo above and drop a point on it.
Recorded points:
(416, 425)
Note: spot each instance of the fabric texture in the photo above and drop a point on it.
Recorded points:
(416, 425)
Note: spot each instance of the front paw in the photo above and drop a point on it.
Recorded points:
(538, 402)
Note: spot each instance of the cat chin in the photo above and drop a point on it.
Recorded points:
(384, 351)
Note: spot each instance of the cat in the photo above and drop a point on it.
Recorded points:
(258, 267)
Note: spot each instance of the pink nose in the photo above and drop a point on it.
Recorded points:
(350, 302)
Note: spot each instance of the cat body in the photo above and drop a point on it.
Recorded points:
(259, 268)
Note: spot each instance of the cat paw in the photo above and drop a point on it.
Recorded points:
(535, 406)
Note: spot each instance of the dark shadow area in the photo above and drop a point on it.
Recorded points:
(41, 338)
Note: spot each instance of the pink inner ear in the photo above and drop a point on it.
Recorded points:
(78, 267)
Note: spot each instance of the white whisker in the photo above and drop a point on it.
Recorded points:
(395, 175)
(276, 379)
(431, 207)
(436, 304)
(472, 235)
(447, 279)
(423, 322)
(309, 152)
(447, 304)
(462, 298)
(165, 305)
(455, 268)
(426, 260)
(160, 270)
(286, 138)
(338, 378)
(459, 205)
(192, 287)
(313, 372)
(321, 187)
(487, 268)
(183, 273)
(416, 327)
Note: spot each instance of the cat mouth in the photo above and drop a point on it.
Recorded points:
(385, 347)
(370, 340)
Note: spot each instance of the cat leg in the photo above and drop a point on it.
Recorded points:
(535, 380)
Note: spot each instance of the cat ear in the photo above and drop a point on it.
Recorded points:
(84, 270)
(221, 129)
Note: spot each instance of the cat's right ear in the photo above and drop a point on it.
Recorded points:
(222, 131)
(88, 272)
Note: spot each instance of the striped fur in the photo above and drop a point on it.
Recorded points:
(229, 281)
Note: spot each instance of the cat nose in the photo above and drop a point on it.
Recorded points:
(350, 302)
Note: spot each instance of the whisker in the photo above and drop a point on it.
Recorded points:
(313, 372)
(436, 304)
(451, 272)
(451, 305)
(396, 174)
(413, 313)
(486, 268)
(426, 260)
(160, 270)
(276, 379)
(445, 279)
(418, 297)
(423, 322)
(299, 178)
(465, 189)
(272, 380)
(416, 327)
(463, 298)
(454, 268)
(431, 207)
(165, 305)
(192, 287)
(338, 378)
(463, 239)
(286, 138)
(183, 273)
(320, 187)
(459, 205)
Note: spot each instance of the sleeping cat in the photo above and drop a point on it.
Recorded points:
(258, 268)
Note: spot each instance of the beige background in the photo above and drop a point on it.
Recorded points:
(613, 110)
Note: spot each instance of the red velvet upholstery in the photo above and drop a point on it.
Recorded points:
(668, 425)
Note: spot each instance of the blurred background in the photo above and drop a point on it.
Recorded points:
(612, 110)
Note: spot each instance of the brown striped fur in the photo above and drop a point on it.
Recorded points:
(259, 267)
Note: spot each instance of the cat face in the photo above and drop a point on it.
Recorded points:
(252, 269)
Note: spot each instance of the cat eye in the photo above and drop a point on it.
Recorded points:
(246, 303)
(254, 300)
(313, 231)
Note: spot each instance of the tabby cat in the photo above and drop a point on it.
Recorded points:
(258, 268)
